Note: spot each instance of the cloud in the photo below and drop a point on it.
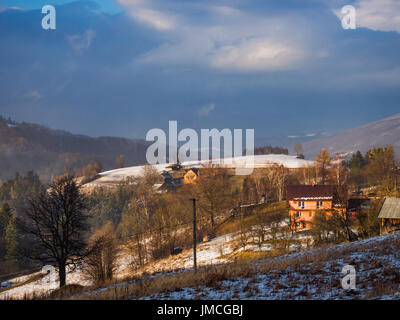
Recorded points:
(221, 37)
(81, 41)
(258, 55)
(381, 15)
(34, 94)
(144, 13)
(206, 110)
(378, 15)
(228, 57)
(155, 19)
(2, 9)
(225, 10)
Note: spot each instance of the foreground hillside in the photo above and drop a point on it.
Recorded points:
(310, 274)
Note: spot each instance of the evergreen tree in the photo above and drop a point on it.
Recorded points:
(5, 215)
(356, 165)
(12, 241)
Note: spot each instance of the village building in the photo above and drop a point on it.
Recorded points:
(390, 215)
(191, 176)
(176, 176)
(172, 180)
(356, 205)
(304, 201)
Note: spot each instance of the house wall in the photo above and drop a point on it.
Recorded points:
(305, 216)
(190, 177)
(310, 205)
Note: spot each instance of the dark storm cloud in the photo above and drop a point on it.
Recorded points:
(282, 67)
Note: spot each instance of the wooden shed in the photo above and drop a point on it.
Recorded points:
(390, 215)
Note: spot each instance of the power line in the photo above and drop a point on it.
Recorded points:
(160, 229)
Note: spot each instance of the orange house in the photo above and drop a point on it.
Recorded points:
(303, 201)
(191, 176)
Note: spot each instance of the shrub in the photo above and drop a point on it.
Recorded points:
(100, 262)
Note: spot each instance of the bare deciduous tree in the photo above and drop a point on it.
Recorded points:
(298, 148)
(214, 191)
(57, 220)
(339, 174)
(120, 161)
(277, 176)
(322, 161)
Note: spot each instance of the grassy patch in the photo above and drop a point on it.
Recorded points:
(251, 217)
(250, 255)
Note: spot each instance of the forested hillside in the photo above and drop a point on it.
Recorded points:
(26, 146)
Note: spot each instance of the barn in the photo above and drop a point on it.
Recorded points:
(390, 215)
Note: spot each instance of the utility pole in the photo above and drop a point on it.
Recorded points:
(194, 235)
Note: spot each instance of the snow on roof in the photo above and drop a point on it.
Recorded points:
(314, 198)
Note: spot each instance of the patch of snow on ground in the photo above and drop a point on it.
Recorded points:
(260, 161)
(376, 260)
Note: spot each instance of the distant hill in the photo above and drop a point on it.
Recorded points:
(28, 146)
(114, 177)
(375, 134)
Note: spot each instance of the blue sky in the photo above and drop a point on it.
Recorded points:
(107, 6)
(120, 68)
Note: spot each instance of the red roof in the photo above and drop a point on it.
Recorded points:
(312, 192)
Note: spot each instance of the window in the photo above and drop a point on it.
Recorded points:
(310, 214)
(301, 204)
(319, 204)
(298, 214)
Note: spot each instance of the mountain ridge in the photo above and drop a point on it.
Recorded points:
(27, 146)
(374, 134)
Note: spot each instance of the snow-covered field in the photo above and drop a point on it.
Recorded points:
(48, 284)
(40, 286)
(308, 274)
(214, 252)
(113, 177)
(207, 254)
(315, 274)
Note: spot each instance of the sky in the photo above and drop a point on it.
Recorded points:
(285, 68)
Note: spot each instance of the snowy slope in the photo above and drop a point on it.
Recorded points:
(315, 274)
(308, 274)
(209, 253)
(260, 161)
(375, 134)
